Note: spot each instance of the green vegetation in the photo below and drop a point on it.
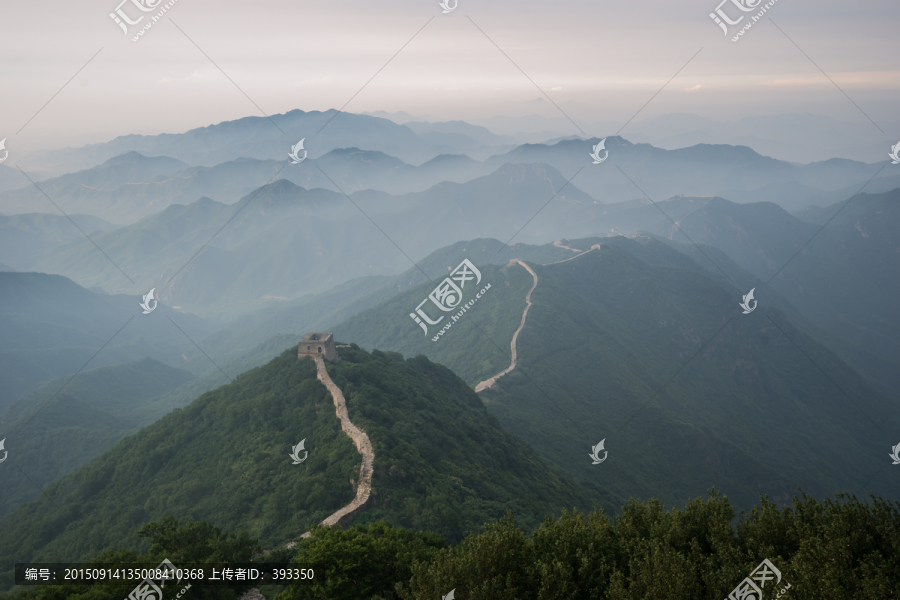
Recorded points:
(464, 346)
(51, 327)
(360, 562)
(608, 330)
(223, 459)
(442, 464)
(65, 429)
(638, 317)
(480, 340)
(191, 543)
(841, 549)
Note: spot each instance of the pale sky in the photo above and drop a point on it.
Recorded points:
(600, 60)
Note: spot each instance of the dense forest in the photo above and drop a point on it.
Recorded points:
(839, 549)
(443, 464)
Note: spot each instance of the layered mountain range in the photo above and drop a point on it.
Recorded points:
(510, 314)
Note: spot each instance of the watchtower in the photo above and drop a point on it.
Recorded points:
(314, 344)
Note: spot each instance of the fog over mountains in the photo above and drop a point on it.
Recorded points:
(393, 158)
(610, 300)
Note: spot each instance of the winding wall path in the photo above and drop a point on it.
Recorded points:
(489, 383)
(580, 253)
(363, 445)
(559, 244)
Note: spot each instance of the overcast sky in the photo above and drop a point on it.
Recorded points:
(600, 60)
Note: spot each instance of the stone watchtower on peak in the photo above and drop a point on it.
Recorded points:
(321, 344)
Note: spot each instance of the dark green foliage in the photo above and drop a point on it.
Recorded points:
(192, 543)
(223, 459)
(839, 550)
(55, 433)
(640, 345)
(197, 542)
(612, 328)
(442, 464)
(360, 562)
(465, 345)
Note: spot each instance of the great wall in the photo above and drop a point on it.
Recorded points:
(360, 439)
(489, 383)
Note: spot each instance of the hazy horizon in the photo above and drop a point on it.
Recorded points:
(597, 63)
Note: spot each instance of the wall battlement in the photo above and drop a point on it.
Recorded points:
(317, 344)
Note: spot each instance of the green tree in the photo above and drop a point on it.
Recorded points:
(197, 542)
(360, 562)
(193, 542)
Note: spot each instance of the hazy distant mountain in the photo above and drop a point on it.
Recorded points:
(400, 116)
(52, 327)
(702, 170)
(288, 242)
(291, 241)
(800, 138)
(259, 138)
(761, 237)
(848, 277)
(351, 169)
(11, 178)
(130, 186)
(481, 135)
(879, 184)
(74, 192)
(533, 126)
(791, 196)
(22, 237)
(844, 280)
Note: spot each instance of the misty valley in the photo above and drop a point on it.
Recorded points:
(545, 345)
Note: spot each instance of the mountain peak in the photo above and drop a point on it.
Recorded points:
(129, 157)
